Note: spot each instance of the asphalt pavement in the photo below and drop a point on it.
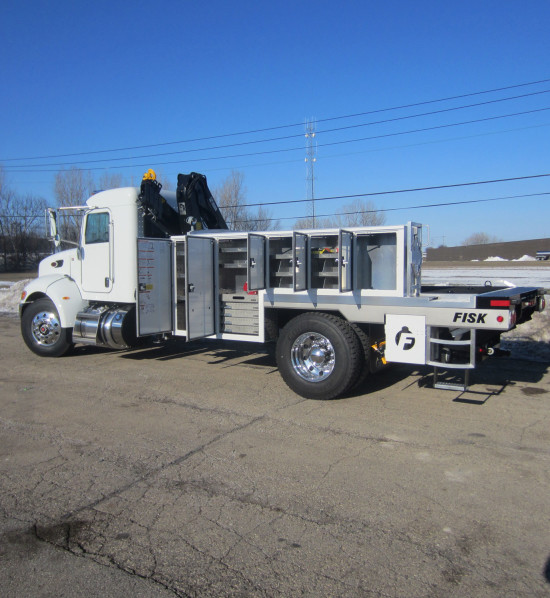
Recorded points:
(192, 470)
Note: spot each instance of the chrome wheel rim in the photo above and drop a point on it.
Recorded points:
(313, 357)
(46, 328)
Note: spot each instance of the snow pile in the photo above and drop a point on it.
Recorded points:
(530, 340)
(10, 293)
(495, 259)
(525, 258)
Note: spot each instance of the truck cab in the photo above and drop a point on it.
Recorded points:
(88, 294)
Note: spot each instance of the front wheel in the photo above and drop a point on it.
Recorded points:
(319, 355)
(42, 332)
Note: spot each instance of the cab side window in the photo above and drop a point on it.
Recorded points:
(97, 228)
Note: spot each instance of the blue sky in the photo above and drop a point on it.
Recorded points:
(86, 77)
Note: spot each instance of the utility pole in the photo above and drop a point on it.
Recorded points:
(311, 150)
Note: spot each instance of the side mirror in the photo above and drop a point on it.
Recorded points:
(51, 222)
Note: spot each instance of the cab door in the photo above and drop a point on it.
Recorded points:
(96, 252)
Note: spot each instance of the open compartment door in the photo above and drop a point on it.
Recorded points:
(154, 296)
(414, 259)
(255, 266)
(299, 261)
(345, 259)
(199, 265)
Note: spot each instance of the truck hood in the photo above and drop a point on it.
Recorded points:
(58, 263)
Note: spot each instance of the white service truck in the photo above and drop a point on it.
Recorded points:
(340, 303)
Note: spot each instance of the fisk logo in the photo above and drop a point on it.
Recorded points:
(404, 339)
(469, 317)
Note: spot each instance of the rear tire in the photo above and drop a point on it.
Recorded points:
(319, 355)
(42, 332)
(365, 367)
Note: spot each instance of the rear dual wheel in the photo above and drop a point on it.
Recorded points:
(319, 355)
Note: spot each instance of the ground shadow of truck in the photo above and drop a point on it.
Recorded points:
(490, 378)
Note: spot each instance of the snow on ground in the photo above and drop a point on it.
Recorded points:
(530, 340)
(522, 276)
(523, 258)
(10, 292)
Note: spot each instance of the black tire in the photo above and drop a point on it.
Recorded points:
(319, 355)
(365, 366)
(42, 332)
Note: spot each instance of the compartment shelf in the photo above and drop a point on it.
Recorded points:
(180, 316)
(324, 272)
(280, 262)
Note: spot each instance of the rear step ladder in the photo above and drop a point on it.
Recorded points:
(458, 382)
(457, 353)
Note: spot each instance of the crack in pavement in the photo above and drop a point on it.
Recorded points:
(162, 468)
(66, 530)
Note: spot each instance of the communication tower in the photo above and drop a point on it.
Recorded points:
(311, 151)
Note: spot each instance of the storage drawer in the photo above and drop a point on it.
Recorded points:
(241, 329)
(239, 307)
(239, 314)
(239, 298)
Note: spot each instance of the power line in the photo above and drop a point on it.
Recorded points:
(380, 149)
(340, 155)
(279, 127)
(40, 167)
(434, 128)
(458, 97)
(432, 112)
(396, 191)
(414, 207)
(285, 137)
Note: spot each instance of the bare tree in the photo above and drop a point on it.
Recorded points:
(27, 230)
(356, 213)
(72, 188)
(231, 199)
(7, 197)
(166, 183)
(262, 220)
(21, 219)
(361, 213)
(307, 223)
(110, 180)
(480, 239)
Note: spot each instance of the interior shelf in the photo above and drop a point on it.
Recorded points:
(280, 262)
(324, 262)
